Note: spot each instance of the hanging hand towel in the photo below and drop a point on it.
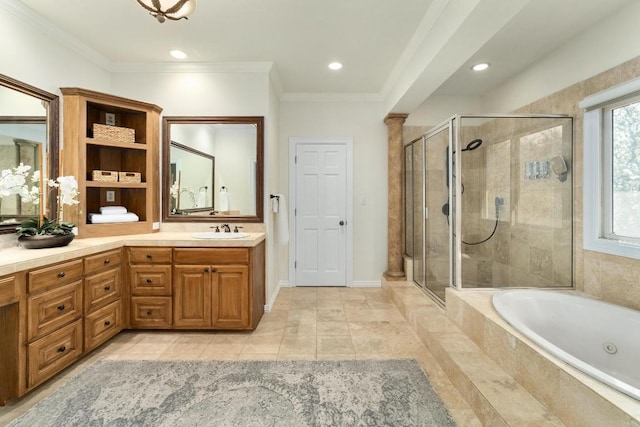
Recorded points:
(202, 197)
(224, 200)
(275, 204)
(282, 221)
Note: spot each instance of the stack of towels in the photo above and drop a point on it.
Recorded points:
(112, 214)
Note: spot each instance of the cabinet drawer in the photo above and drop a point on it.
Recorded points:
(211, 256)
(101, 288)
(101, 261)
(49, 310)
(151, 312)
(150, 255)
(54, 352)
(102, 324)
(151, 280)
(55, 275)
(8, 290)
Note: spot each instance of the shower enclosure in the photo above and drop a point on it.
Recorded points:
(488, 203)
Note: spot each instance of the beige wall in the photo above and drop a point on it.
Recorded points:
(612, 278)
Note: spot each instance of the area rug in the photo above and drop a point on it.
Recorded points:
(243, 393)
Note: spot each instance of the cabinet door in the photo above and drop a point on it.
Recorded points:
(192, 295)
(231, 303)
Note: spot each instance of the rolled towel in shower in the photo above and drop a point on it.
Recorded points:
(111, 210)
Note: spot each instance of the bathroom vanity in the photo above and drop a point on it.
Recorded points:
(57, 305)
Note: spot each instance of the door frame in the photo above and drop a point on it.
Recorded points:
(294, 142)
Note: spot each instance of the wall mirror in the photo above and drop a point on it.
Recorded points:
(212, 169)
(28, 134)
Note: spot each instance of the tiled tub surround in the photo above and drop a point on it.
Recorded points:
(573, 396)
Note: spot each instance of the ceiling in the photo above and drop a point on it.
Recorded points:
(378, 41)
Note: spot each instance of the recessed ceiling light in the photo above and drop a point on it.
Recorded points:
(178, 54)
(481, 66)
(335, 66)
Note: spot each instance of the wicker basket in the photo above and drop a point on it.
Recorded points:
(114, 133)
(108, 176)
(129, 177)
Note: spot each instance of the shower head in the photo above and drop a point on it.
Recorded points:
(476, 143)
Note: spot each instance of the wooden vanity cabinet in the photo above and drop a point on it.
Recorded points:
(151, 288)
(103, 297)
(12, 295)
(219, 288)
(54, 319)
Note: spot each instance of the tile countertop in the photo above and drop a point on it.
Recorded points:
(19, 259)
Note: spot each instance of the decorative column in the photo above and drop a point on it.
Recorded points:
(395, 268)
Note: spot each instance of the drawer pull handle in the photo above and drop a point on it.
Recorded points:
(107, 323)
(149, 313)
(107, 288)
(61, 307)
(62, 349)
(149, 256)
(61, 274)
(107, 261)
(149, 281)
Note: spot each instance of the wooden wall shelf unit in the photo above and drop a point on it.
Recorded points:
(82, 154)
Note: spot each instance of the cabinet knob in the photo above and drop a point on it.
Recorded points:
(107, 288)
(206, 270)
(149, 313)
(107, 323)
(62, 349)
(61, 274)
(61, 307)
(149, 256)
(107, 261)
(213, 270)
(149, 280)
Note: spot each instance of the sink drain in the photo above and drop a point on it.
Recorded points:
(610, 348)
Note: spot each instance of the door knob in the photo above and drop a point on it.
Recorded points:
(342, 223)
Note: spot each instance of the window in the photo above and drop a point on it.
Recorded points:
(612, 170)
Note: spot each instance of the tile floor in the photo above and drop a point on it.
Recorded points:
(304, 323)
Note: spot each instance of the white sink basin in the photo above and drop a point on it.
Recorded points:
(219, 235)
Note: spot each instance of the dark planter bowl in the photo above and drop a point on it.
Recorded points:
(42, 241)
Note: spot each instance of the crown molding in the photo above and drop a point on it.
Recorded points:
(27, 15)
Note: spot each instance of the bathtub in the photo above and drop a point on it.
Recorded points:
(598, 338)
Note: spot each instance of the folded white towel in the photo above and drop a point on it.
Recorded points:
(95, 218)
(111, 210)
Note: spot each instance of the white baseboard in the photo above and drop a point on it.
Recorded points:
(272, 300)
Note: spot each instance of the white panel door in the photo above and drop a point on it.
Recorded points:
(321, 188)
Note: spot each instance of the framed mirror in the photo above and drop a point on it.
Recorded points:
(212, 169)
(29, 134)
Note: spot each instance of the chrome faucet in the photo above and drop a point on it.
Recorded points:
(226, 228)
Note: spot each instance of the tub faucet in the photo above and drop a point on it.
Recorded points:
(226, 228)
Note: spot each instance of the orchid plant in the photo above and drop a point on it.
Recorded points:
(26, 184)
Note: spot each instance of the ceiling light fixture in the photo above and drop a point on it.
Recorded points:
(169, 9)
(481, 66)
(178, 54)
(335, 66)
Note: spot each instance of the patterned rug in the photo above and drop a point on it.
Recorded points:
(243, 393)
